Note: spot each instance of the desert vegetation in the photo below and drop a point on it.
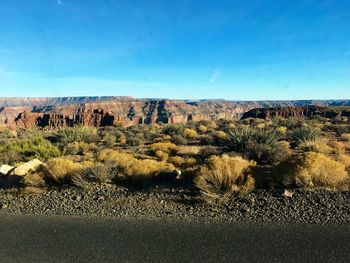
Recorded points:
(220, 160)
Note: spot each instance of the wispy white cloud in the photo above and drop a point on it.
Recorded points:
(215, 74)
(59, 2)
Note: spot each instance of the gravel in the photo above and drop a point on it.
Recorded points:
(111, 201)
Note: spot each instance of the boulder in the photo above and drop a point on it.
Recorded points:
(283, 193)
(6, 169)
(23, 169)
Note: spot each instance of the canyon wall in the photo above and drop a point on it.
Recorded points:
(298, 111)
(105, 111)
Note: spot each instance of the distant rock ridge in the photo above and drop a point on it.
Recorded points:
(298, 111)
(105, 111)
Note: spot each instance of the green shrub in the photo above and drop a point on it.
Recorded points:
(173, 129)
(28, 149)
(76, 134)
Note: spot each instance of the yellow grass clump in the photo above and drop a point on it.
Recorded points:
(162, 156)
(190, 134)
(317, 170)
(318, 145)
(62, 169)
(345, 137)
(187, 150)
(166, 147)
(202, 129)
(135, 168)
(221, 135)
(223, 178)
(176, 160)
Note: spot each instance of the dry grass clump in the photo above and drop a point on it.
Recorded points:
(221, 136)
(318, 145)
(223, 178)
(162, 156)
(187, 150)
(345, 137)
(63, 170)
(318, 170)
(166, 147)
(133, 168)
(177, 160)
(344, 159)
(190, 134)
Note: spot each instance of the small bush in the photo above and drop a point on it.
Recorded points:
(345, 137)
(318, 145)
(267, 154)
(64, 170)
(166, 147)
(223, 178)
(76, 134)
(162, 156)
(315, 170)
(179, 140)
(173, 129)
(176, 160)
(27, 149)
(135, 169)
(190, 134)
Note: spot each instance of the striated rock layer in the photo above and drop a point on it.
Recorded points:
(126, 111)
(298, 111)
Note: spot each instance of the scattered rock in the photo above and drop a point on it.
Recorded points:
(287, 193)
(23, 169)
(6, 169)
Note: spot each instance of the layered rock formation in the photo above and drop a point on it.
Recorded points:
(298, 111)
(126, 111)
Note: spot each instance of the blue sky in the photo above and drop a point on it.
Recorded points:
(240, 50)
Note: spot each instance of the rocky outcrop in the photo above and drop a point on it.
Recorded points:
(105, 111)
(298, 111)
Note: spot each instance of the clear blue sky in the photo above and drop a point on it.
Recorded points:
(232, 49)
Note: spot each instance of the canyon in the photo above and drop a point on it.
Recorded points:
(126, 111)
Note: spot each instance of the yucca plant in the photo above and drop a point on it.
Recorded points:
(304, 133)
(238, 138)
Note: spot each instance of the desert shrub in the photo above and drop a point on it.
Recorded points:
(345, 137)
(344, 159)
(202, 128)
(79, 148)
(179, 140)
(100, 172)
(34, 179)
(282, 130)
(135, 169)
(318, 145)
(223, 178)
(190, 134)
(63, 170)
(162, 156)
(28, 149)
(208, 150)
(314, 170)
(264, 153)
(176, 160)
(76, 134)
(187, 150)
(133, 141)
(6, 133)
(166, 147)
(340, 128)
(336, 147)
(304, 133)
(173, 129)
(109, 140)
(221, 136)
(292, 123)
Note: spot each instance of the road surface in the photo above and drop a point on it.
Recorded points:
(67, 239)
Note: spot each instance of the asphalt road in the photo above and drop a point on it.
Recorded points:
(67, 239)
